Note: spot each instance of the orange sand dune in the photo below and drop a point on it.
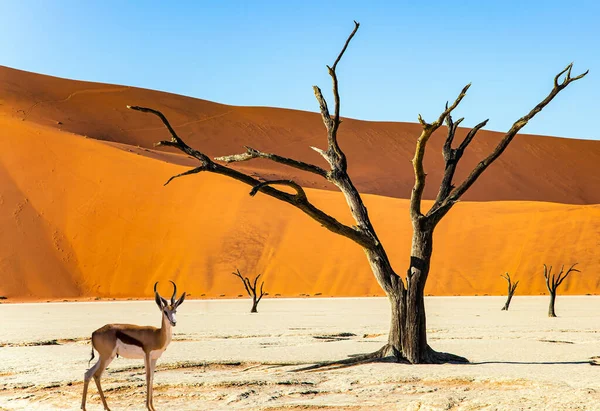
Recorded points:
(533, 168)
(82, 219)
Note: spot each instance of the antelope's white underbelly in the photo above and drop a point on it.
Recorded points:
(133, 351)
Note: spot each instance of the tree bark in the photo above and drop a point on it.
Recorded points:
(254, 305)
(511, 290)
(507, 303)
(553, 281)
(414, 341)
(551, 312)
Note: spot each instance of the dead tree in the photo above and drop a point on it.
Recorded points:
(552, 283)
(251, 289)
(511, 291)
(407, 339)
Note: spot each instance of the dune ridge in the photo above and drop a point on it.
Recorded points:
(534, 168)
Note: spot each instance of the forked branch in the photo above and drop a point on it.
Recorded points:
(335, 156)
(251, 289)
(516, 127)
(552, 283)
(511, 290)
(300, 194)
(417, 161)
(298, 200)
(451, 157)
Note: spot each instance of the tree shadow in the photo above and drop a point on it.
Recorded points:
(533, 362)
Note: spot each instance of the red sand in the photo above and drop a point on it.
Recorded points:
(81, 218)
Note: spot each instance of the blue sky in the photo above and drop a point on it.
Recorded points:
(407, 58)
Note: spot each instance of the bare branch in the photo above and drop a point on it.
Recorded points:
(300, 194)
(508, 137)
(324, 154)
(327, 120)
(553, 283)
(324, 219)
(569, 271)
(452, 127)
(451, 157)
(547, 277)
(470, 136)
(186, 173)
(568, 79)
(339, 57)
(238, 274)
(176, 141)
(252, 153)
(511, 291)
(417, 161)
(449, 110)
(332, 73)
(255, 281)
(335, 156)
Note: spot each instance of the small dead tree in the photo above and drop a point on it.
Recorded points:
(511, 291)
(552, 283)
(407, 339)
(251, 289)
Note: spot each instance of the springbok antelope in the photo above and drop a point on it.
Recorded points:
(133, 341)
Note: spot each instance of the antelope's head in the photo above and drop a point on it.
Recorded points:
(168, 309)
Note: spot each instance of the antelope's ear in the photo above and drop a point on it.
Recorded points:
(158, 300)
(180, 301)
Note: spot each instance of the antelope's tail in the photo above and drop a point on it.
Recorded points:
(93, 356)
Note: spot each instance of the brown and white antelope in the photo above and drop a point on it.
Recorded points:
(133, 341)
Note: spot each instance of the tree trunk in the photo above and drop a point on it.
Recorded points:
(397, 300)
(551, 312)
(407, 339)
(414, 333)
(254, 305)
(507, 304)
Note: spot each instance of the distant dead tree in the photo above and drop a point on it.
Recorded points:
(511, 291)
(251, 289)
(552, 283)
(407, 339)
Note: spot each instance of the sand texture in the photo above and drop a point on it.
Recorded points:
(224, 358)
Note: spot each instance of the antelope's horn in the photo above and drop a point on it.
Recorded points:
(174, 293)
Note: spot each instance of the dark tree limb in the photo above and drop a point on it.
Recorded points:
(417, 161)
(299, 202)
(511, 291)
(552, 283)
(251, 289)
(336, 94)
(508, 137)
(252, 153)
(300, 193)
(186, 173)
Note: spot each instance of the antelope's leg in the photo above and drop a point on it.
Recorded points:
(97, 375)
(152, 368)
(86, 381)
(148, 366)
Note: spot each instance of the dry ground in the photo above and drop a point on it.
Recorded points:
(224, 358)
